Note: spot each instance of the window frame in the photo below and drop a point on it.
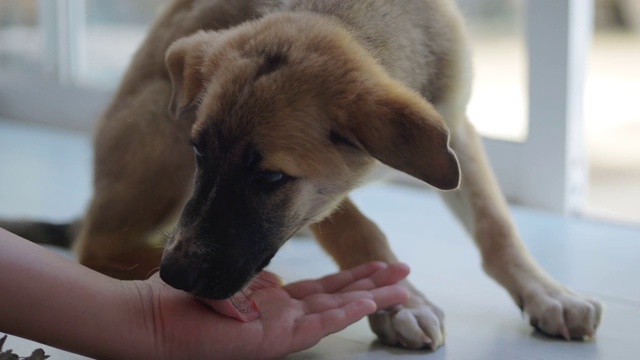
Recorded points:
(550, 169)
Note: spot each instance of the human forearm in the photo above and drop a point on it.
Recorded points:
(50, 299)
(53, 300)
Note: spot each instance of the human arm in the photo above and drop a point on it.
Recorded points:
(50, 299)
(53, 300)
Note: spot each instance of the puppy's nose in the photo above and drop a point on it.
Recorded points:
(177, 274)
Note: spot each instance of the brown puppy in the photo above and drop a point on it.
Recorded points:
(288, 105)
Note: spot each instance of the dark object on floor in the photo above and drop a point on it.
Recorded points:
(37, 354)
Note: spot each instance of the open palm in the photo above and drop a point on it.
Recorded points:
(292, 317)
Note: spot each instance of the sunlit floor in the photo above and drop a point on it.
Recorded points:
(46, 174)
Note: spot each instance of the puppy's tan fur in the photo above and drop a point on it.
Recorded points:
(325, 90)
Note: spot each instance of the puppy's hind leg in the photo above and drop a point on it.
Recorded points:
(352, 239)
(552, 308)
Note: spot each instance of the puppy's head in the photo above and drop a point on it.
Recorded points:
(288, 115)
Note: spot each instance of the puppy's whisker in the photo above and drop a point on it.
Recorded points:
(327, 195)
(258, 279)
(165, 234)
(152, 271)
(133, 267)
(312, 218)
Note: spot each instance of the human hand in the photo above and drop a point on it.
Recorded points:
(292, 317)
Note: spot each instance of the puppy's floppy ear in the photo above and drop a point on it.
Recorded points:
(401, 129)
(185, 59)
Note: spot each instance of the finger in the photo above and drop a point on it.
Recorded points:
(333, 283)
(265, 279)
(383, 297)
(389, 296)
(313, 327)
(383, 277)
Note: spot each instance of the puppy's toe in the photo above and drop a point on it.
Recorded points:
(411, 328)
(562, 313)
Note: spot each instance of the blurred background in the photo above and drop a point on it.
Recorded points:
(85, 45)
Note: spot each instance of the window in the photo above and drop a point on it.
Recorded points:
(67, 52)
(21, 41)
(113, 31)
(499, 105)
(612, 115)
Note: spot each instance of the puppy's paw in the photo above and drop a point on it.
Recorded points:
(557, 311)
(416, 325)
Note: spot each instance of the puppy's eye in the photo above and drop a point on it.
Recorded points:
(271, 179)
(197, 151)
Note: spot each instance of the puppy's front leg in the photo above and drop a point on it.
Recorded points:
(552, 308)
(352, 239)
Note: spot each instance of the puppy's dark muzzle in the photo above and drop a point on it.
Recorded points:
(178, 275)
(210, 277)
(201, 281)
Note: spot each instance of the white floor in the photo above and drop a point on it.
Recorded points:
(46, 173)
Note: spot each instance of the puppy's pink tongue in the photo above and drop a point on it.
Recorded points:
(239, 307)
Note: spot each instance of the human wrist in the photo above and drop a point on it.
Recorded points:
(139, 336)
